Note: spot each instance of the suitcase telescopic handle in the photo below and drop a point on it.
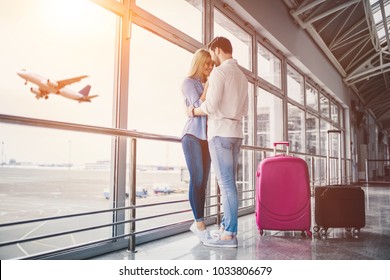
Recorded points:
(334, 131)
(285, 143)
(328, 155)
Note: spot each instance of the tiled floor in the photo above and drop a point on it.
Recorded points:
(373, 242)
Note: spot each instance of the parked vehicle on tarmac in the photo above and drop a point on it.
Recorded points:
(162, 188)
(139, 192)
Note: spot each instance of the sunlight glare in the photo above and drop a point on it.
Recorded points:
(70, 13)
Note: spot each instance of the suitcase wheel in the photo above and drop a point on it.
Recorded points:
(321, 230)
(261, 232)
(353, 231)
(307, 233)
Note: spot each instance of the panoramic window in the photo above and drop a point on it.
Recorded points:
(269, 119)
(269, 66)
(156, 106)
(245, 171)
(313, 148)
(295, 85)
(53, 172)
(324, 127)
(296, 128)
(59, 174)
(168, 11)
(311, 97)
(241, 41)
(247, 121)
(312, 134)
(58, 40)
(324, 105)
(155, 98)
(335, 112)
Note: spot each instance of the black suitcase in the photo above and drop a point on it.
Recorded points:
(338, 206)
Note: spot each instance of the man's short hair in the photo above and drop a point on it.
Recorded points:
(222, 43)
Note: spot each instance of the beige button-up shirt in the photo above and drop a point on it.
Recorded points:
(226, 100)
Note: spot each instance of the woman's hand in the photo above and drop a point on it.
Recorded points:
(190, 111)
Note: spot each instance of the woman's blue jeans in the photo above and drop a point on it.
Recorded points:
(225, 152)
(196, 153)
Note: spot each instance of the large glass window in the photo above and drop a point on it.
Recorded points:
(335, 112)
(296, 128)
(246, 169)
(156, 106)
(295, 85)
(49, 172)
(311, 97)
(247, 122)
(312, 134)
(269, 66)
(57, 40)
(241, 41)
(169, 11)
(155, 98)
(324, 105)
(59, 173)
(324, 127)
(269, 119)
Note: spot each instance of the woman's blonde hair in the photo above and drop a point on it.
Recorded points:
(197, 64)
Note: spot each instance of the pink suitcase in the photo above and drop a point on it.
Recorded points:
(283, 193)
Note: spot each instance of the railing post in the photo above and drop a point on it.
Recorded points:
(263, 155)
(132, 192)
(312, 169)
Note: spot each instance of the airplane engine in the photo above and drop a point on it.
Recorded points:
(36, 91)
(52, 84)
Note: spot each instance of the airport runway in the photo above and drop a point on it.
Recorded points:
(38, 193)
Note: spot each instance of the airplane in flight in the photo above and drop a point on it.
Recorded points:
(47, 86)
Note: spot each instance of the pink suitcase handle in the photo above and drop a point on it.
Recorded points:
(285, 143)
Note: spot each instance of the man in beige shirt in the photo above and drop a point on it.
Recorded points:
(225, 105)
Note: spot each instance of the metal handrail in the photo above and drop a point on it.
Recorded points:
(133, 135)
(85, 128)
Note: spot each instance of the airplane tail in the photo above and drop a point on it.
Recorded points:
(85, 92)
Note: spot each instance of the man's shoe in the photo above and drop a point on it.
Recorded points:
(201, 234)
(232, 243)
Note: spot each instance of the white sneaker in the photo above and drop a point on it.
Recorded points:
(201, 234)
(218, 232)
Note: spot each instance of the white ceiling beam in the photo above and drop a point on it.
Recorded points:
(328, 12)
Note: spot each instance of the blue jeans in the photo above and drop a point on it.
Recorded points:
(196, 153)
(225, 152)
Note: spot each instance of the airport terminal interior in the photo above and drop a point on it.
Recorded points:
(92, 114)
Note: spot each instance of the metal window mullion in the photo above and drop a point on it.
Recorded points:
(120, 117)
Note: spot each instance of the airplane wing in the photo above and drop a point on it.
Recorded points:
(62, 83)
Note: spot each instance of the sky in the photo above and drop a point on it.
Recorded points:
(63, 39)
(49, 38)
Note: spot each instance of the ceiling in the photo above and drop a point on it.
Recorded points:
(352, 35)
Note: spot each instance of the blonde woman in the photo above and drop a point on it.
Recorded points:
(194, 138)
